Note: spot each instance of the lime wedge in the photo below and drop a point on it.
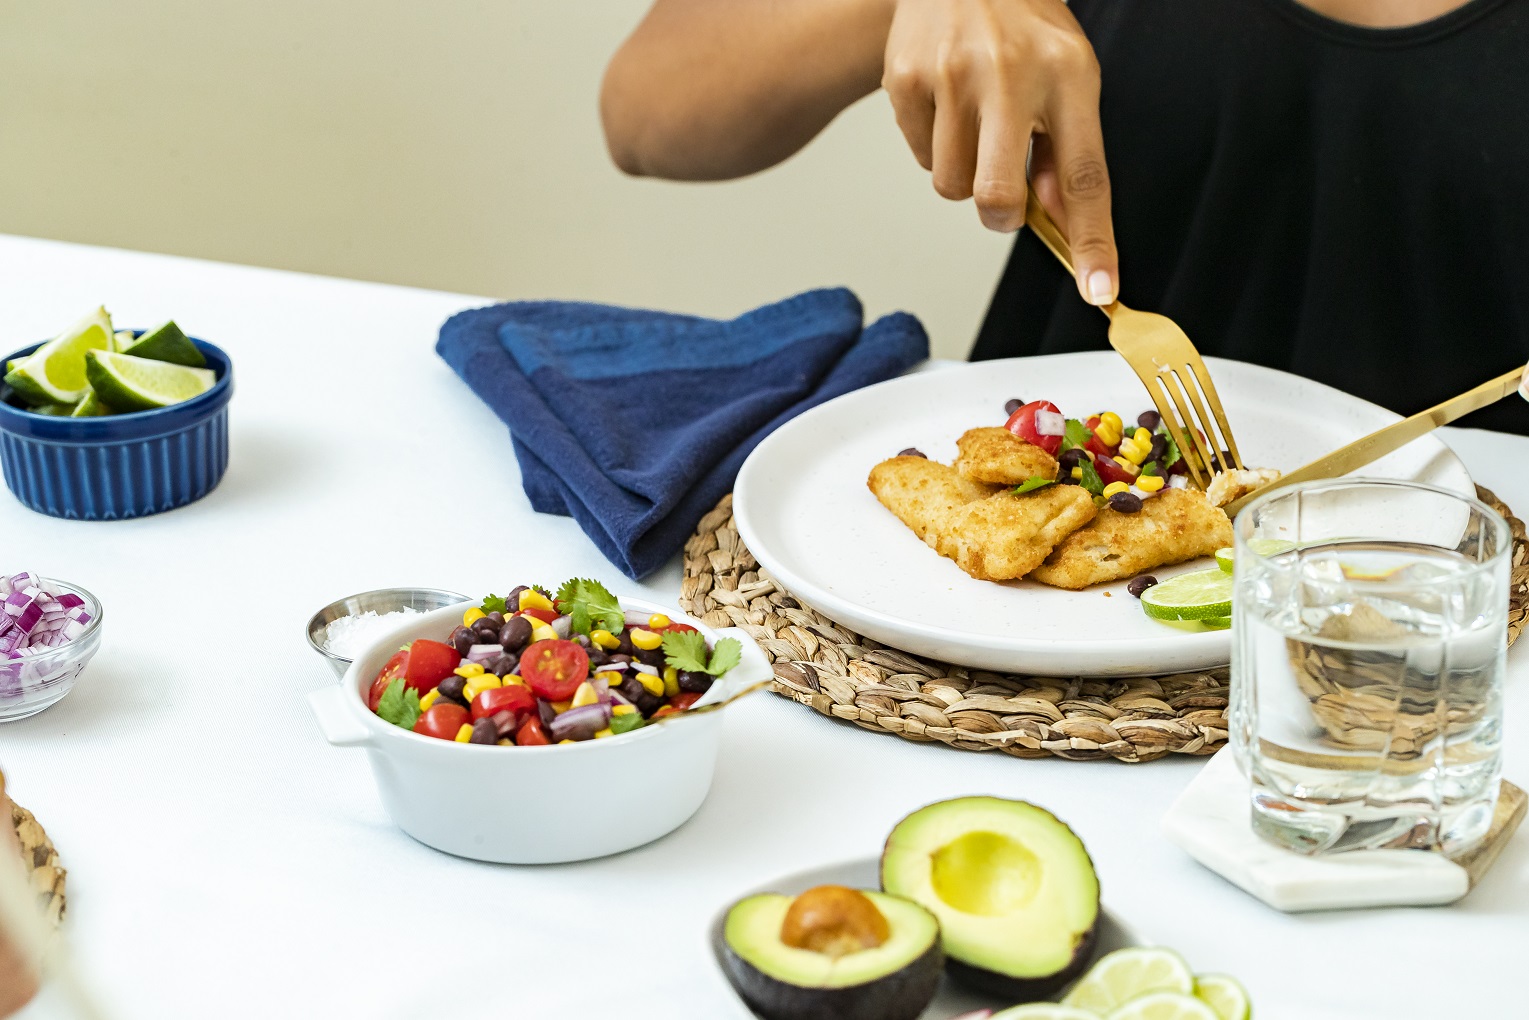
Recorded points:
(1225, 995)
(138, 384)
(1197, 595)
(1224, 557)
(1126, 974)
(1164, 1006)
(1262, 546)
(90, 407)
(53, 410)
(122, 340)
(167, 343)
(1045, 1011)
(55, 372)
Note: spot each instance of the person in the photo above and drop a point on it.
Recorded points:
(1329, 187)
(18, 982)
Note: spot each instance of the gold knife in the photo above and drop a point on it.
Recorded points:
(1377, 444)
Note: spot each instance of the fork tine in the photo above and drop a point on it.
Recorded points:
(1202, 376)
(1172, 419)
(1199, 463)
(1185, 375)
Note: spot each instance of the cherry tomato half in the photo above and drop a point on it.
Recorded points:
(678, 627)
(544, 615)
(1022, 424)
(443, 721)
(510, 698)
(429, 663)
(1095, 445)
(554, 669)
(531, 733)
(389, 672)
(677, 704)
(1110, 471)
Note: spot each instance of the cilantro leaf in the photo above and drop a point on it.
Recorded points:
(1077, 434)
(686, 650)
(1091, 480)
(399, 705)
(625, 723)
(589, 605)
(1173, 456)
(493, 604)
(1032, 483)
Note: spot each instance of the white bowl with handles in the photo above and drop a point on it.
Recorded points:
(516, 805)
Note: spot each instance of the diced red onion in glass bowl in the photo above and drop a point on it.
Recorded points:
(48, 631)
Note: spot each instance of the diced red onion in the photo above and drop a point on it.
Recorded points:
(564, 626)
(1050, 423)
(614, 667)
(580, 723)
(1178, 481)
(636, 619)
(482, 653)
(643, 667)
(621, 699)
(29, 618)
(69, 600)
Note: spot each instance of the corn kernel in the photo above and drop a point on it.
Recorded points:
(542, 632)
(472, 615)
(1133, 451)
(503, 742)
(585, 695)
(1130, 468)
(604, 639)
(567, 741)
(1077, 473)
(478, 684)
(468, 670)
(1142, 436)
(658, 621)
(1112, 419)
(533, 599)
(1114, 487)
(603, 733)
(647, 640)
(620, 709)
(650, 683)
(611, 677)
(464, 734)
(511, 680)
(429, 699)
(1149, 483)
(560, 706)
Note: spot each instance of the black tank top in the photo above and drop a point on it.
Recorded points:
(1345, 203)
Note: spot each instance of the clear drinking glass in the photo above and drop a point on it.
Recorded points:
(1369, 641)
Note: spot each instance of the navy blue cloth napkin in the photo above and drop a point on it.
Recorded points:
(635, 422)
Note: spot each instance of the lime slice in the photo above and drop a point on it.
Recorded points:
(1164, 1006)
(55, 372)
(122, 340)
(138, 384)
(1224, 558)
(90, 407)
(1126, 974)
(1045, 1011)
(167, 343)
(53, 410)
(1225, 995)
(1262, 546)
(1197, 595)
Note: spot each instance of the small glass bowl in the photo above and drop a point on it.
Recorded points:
(36, 682)
(381, 601)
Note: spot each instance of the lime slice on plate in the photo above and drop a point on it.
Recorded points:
(55, 372)
(1164, 1006)
(138, 384)
(90, 407)
(1197, 595)
(1225, 995)
(1262, 546)
(1045, 1011)
(167, 343)
(1127, 974)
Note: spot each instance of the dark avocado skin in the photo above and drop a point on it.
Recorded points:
(900, 995)
(1018, 990)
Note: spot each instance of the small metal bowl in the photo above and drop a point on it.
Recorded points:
(381, 601)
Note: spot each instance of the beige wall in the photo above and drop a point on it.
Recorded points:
(452, 145)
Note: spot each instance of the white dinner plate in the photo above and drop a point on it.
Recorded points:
(864, 873)
(802, 506)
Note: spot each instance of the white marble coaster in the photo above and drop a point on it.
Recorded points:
(1210, 820)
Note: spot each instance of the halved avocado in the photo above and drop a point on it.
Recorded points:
(1013, 888)
(831, 954)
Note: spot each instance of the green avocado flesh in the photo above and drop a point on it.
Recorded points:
(1013, 889)
(753, 932)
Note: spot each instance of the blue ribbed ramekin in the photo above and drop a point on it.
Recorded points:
(120, 465)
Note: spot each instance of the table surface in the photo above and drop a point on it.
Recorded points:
(224, 860)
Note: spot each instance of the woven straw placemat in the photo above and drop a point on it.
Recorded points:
(845, 676)
(41, 860)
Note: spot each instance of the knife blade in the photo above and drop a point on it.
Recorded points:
(1377, 444)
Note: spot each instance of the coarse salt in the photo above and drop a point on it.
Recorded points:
(348, 636)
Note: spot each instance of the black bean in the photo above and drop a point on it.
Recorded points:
(486, 629)
(1149, 420)
(652, 656)
(620, 657)
(647, 703)
(496, 616)
(1072, 458)
(597, 657)
(505, 723)
(697, 683)
(1140, 584)
(631, 688)
(1159, 448)
(626, 647)
(912, 452)
(462, 640)
(512, 600)
(451, 687)
(502, 664)
(1125, 503)
(1012, 405)
(515, 633)
(484, 732)
(545, 711)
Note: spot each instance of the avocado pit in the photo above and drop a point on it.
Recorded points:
(835, 921)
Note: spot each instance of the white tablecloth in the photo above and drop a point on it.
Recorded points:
(224, 861)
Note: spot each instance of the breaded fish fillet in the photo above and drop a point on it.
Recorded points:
(992, 536)
(998, 456)
(920, 492)
(1173, 526)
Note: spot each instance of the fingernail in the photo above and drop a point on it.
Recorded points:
(1101, 289)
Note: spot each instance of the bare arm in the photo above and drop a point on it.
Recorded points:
(710, 89)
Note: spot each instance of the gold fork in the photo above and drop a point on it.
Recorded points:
(1166, 362)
